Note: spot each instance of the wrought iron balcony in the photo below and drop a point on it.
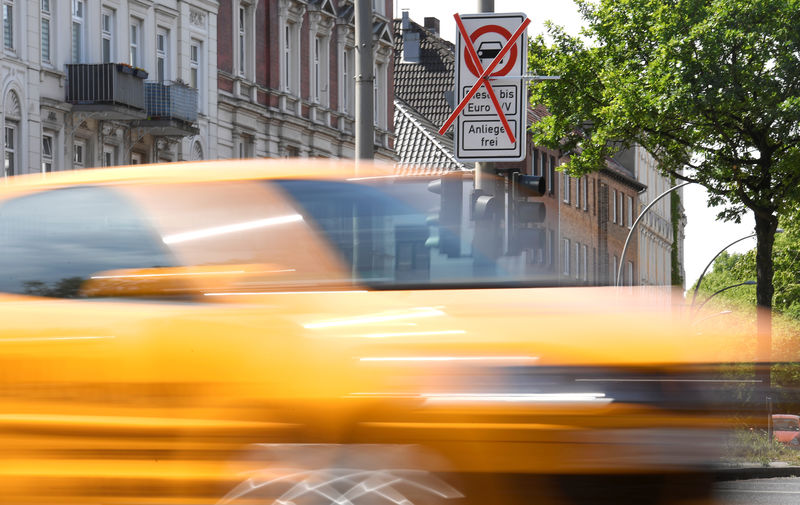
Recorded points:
(112, 90)
(171, 108)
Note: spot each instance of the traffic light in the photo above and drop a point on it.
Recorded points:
(522, 213)
(448, 221)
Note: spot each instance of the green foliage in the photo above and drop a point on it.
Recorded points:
(709, 87)
(731, 269)
(754, 446)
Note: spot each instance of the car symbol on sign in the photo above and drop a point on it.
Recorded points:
(489, 50)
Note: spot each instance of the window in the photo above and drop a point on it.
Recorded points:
(629, 273)
(45, 28)
(196, 76)
(10, 149)
(586, 194)
(41, 253)
(348, 81)
(585, 262)
(291, 58)
(107, 35)
(378, 6)
(136, 48)
(78, 37)
(47, 153)
(577, 260)
(8, 24)
(315, 94)
(246, 144)
(242, 40)
(379, 95)
(578, 193)
(613, 206)
(552, 171)
(551, 244)
(162, 50)
(630, 212)
(109, 156)
(535, 162)
(620, 209)
(567, 252)
(565, 184)
(614, 271)
(78, 154)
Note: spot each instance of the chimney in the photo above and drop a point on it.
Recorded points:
(410, 41)
(432, 24)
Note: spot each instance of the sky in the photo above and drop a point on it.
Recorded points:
(705, 236)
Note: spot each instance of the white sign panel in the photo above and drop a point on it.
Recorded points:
(491, 128)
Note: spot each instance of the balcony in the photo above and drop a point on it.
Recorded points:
(171, 109)
(110, 91)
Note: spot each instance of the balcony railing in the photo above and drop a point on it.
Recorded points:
(109, 84)
(170, 100)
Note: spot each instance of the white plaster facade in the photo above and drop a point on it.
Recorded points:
(42, 132)
(655, 229)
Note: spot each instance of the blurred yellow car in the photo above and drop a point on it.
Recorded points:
(279, 332)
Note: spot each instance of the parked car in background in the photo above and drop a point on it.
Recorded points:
(786, 429)
(279, 331)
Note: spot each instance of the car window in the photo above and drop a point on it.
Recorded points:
(785, 425)
(51, 242)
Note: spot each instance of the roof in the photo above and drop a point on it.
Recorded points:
(203, 171)
(420, 147)
(620, 173)
(423, 85)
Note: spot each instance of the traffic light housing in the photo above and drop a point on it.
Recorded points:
(448, 220)
(522, 213)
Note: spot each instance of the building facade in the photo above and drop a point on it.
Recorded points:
(656, 230)
(125, 81)
(286, 78)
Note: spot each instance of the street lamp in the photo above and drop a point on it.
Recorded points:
(699, 280)
(633, 227)
(745, 283)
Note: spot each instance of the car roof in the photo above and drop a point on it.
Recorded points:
(203, 171)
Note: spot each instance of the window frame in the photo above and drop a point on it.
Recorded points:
(107, 34)
(9, 34)
(565, 269)
(48, 158)
(46, 17)
(10, 148)
(162, 54)
(78, 33)
(136, 42)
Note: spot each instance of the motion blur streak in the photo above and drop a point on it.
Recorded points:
(261, 293)
(182, 274)
(412, 334)
(378, 318)
(51, 339)
(422, 359)
(231, 228)
(520, 398)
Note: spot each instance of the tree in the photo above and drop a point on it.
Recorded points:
(711, 88)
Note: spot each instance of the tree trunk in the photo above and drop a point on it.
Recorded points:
(766, 224)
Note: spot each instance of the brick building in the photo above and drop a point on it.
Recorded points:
(286, 83)
(587, 218)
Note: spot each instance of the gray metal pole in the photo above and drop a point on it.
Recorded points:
(633, 227)
(487, 231)
(365, 131)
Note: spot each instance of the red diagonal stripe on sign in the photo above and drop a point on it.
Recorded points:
(474, 55)
(486, 72)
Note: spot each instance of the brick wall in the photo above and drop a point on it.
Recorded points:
(225, 36)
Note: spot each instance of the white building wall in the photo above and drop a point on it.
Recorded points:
(40, 86)
(655, 228)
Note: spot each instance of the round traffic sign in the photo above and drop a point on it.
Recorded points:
(511, 56)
